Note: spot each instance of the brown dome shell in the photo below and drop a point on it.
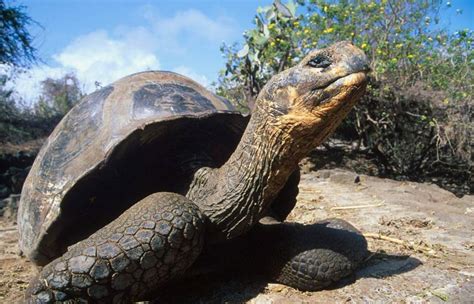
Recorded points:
(145, 133)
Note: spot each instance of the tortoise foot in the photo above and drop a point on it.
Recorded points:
(155, 240)
(310, 257)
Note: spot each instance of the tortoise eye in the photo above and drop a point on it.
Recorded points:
(320, 61)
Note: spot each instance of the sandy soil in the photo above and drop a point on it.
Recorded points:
(426, 254)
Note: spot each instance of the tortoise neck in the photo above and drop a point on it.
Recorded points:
(236, 195)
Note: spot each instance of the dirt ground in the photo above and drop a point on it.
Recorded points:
(421, 238)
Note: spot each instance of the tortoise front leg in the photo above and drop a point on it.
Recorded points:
(153, 241)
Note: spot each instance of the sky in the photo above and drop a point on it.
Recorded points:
(104, 40)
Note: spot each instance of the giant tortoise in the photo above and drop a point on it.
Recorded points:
(144, 175)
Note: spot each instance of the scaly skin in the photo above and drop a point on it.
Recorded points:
(152, 242)
(312, 257)
(308, 257)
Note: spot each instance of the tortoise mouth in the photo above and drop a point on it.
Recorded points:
(324, 95)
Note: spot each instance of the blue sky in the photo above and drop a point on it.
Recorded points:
(104, 40)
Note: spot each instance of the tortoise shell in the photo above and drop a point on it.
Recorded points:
(145, 133)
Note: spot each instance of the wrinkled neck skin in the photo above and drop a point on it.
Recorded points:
(235, 196)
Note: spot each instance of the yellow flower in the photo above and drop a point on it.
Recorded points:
(296, 23)
(410, 56)
(328, 30)
(271, 25)
(399, 46)
(325, 8)
(306, 31)
(364, 45)
(272, 43)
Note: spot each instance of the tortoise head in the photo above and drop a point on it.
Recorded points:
(295, 111)
(317, 93)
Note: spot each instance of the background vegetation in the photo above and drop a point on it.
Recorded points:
(18, 122)
(415, 122)
(23, 128)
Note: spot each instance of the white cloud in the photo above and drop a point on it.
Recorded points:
(107, 56)
(99, 57)
(94, 57)
(27, 85)
(191, 23)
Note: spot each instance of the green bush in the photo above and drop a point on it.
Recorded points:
(19, 123)
(416, 118)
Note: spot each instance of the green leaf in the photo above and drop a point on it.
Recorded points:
(282, 9)
(270, 15)
(260, 40)
(291, 7)
(264, 9)
(244, 51)
(266, 32)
